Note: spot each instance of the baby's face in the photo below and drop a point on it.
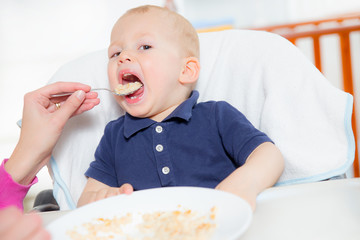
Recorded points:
(145, 48)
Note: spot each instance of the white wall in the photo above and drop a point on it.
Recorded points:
(302, 10)
(253, 13)
(245, 13)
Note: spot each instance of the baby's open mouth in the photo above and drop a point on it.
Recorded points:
(130, 84)
(128, 78)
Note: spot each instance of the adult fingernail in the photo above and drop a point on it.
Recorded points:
(80, 95)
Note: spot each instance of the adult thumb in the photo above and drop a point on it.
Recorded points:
(71, 105)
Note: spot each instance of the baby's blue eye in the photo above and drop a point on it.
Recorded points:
(145, 47)
(116, 54)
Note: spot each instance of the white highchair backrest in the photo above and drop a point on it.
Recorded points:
(261, 74)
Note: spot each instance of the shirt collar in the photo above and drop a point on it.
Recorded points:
(183, 111)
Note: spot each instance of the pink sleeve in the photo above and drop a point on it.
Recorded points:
(11, 192)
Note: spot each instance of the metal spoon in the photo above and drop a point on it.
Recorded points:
(123, 93)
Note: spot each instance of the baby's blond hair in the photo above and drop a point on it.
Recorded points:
(188, 37)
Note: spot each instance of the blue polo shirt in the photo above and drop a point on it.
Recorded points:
(196, 145)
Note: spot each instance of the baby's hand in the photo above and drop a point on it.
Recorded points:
(111, 191)
(107, 192)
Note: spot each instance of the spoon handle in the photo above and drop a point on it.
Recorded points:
(69, 93)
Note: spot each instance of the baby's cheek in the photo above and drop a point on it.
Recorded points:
(112, 75)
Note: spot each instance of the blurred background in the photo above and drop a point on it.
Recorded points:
(38, 36)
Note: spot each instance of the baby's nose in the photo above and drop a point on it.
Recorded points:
(125, 60)
(124, 57)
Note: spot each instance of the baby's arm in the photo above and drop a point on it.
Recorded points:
(261, 170)
(95, 190)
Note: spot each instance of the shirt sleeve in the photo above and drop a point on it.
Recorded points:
(103, 168)
(11, 192)
(239, 136)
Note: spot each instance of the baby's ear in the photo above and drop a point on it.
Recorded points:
(190, 71)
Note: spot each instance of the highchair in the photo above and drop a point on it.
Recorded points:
(263, 75)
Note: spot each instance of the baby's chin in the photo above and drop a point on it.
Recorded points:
(133, 110)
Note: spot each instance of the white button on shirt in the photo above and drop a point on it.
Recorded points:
(159, 129)
(159, 148)
(165, 170)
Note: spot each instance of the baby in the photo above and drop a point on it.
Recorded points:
(166, 138)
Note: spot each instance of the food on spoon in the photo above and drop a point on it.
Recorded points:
(128, 88)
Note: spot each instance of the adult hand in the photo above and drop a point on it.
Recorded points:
(42, 124)
(15, 225)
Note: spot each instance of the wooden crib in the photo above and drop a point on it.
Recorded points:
(343, 27)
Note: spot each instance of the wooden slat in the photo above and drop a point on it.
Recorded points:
(317, 52)
(321, 32)
(349, 86)
(307, 23)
